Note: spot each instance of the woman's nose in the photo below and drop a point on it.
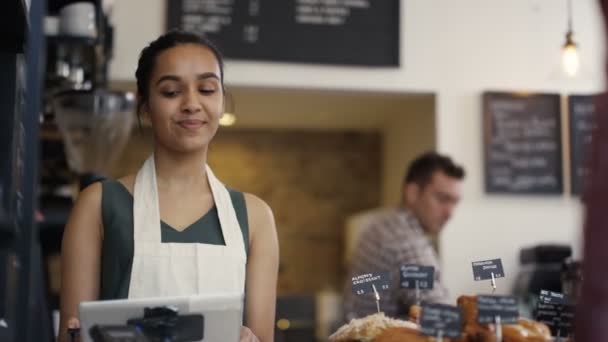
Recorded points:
(191, 103)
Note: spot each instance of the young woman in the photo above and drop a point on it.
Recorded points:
(173, 228)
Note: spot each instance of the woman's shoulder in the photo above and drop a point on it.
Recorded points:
(256, 204)
(259, 213)
(127, 182)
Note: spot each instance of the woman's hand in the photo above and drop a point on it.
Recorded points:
(73, 323)
(247, 335)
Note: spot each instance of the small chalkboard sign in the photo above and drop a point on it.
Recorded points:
(550, 297)
(566, 320)
(548, 314)
(415, 276)
(581, 110)
(441, 320)
(488, 269)
(522, 143)
(554, 311)
(490, 307)
(365, 283)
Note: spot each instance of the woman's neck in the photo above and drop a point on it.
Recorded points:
(180, 171)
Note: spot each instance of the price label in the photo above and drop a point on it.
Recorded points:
(483, 270)
(362, 284)
(490, 307)
(436, 318)
(557, 315)
(549, 297)
(413, 276)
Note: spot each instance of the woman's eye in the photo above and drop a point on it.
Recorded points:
(207, 91)
(170, 93)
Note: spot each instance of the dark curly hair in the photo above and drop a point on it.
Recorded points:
(422, 168)
(147, 59)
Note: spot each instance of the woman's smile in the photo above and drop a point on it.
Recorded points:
(191, 124)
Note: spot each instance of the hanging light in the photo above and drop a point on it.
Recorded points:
(228, 119)
(570, 56)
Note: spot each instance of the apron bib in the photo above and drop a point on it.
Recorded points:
(183, 269)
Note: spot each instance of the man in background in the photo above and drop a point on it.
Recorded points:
(430, 193)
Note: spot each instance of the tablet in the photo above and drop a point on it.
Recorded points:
(222, 313)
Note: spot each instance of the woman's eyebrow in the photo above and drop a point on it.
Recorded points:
(206, 75)
(168, 78)
(202, 76)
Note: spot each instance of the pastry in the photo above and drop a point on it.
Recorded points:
(524, 331)
(368, 328)
(414, 314)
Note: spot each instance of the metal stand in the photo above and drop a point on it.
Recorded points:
(377, 295)
(498, 329)
(493, 283)
(439, 337)
(557, 336)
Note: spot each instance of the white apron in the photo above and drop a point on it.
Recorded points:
(183, 269)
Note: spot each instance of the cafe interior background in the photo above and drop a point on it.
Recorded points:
(326, 144)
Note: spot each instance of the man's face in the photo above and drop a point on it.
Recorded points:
(434, 203)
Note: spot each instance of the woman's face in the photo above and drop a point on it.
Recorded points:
(186, 99)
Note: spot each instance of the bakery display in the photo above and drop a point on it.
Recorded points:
(379, 328)
(524, 331)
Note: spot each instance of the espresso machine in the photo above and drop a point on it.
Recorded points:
(541, 268)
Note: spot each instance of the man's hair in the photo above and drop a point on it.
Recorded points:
(421, 170)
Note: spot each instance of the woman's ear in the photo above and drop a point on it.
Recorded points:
(143, 114)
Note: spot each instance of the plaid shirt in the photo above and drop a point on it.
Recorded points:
(393, 239)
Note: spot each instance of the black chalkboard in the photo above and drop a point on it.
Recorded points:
(522, 143)
(348, 32)
(581, 110)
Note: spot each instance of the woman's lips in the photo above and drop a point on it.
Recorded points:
(191, 124)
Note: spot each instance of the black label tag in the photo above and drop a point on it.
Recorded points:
(482, 270)
(490, 307)
(559, 318)
(566, 320)
(413, 276)
(440, 317)
(363, 283)
(554, 311)
(548, 314)
(549, 297)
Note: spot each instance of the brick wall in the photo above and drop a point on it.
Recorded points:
(312, 180)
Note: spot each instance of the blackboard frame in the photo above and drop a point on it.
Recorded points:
(576, 188)
(556, 101)
(348, 50)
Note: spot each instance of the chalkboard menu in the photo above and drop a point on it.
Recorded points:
(581, 112)
(348, 32)
(522, 142)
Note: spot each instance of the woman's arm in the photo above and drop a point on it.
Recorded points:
(80, 256)
(262, 269)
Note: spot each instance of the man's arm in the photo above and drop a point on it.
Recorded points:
(370, 255)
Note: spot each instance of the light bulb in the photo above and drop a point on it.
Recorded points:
(570, 58)
(228, 119)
